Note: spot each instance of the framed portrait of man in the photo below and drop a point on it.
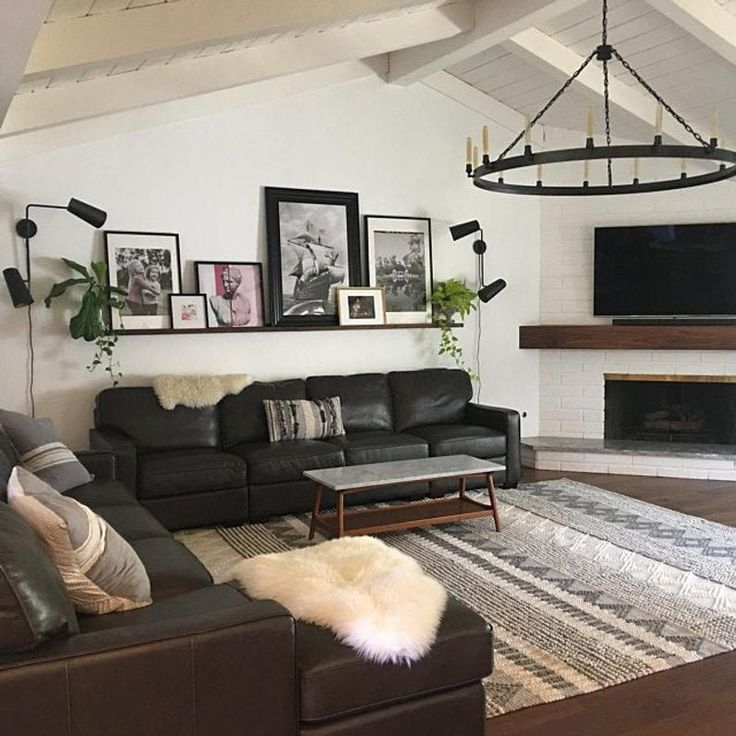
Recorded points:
(233, 291)
(313, 249)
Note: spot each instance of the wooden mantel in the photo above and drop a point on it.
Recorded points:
(628, 337)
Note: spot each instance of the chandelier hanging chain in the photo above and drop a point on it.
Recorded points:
(551, 102)
(606, 92)
(694, 133)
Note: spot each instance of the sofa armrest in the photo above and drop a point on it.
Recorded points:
(100, 464)
(124, 450)
(503, 420)
(209, 662)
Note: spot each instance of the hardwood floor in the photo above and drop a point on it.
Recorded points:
(694, 700)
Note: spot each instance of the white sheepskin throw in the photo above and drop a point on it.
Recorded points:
(374, 598)
(197, 391)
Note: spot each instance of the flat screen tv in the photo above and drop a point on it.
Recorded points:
(665, 270)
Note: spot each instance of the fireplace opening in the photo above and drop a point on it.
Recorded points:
(679, 409)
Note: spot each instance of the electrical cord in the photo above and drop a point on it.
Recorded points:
(32, 360)
(479, 330)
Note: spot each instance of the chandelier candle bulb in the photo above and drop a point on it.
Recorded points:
(485, 139)
(590, 122)
(475, 157)
(539, 173)
(636, 168)
(658, 121)
(586, 170)
(468, 150)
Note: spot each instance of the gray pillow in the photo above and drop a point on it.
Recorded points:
(101, 571)
(41, 453)
(8, 460)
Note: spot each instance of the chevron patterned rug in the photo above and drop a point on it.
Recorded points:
(584, 588)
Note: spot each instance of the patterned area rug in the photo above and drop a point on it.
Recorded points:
(585, 588)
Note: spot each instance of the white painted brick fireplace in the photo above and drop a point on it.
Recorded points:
(571, 390)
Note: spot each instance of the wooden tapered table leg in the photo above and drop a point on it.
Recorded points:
(340, 514)
(462, 485)
(492, 496)
(315, 509)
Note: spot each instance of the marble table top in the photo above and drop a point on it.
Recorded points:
(401, 471)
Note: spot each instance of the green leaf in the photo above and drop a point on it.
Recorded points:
(78, 267)
(59, 288)
(86, 324)
(100, 269)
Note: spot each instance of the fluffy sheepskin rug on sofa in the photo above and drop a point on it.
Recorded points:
(373, 597)
(197, 391)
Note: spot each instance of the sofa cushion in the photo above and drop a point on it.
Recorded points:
(280, 462)
(8, 460)
(132, 521)
(379, 447)
(100, 493)
(40, 451)
(242, 417)
(334, 681)
(303, 419)
(101, 571)
(178, 472)
(430, 396)
(171, 567)
(365, 399)
(136, 412)
(462, 439)
(34, 605)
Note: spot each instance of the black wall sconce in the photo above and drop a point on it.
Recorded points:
(487, 291)
(20, 288)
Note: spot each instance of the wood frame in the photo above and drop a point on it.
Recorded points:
(153, 323)
(370, 275)
(212, 323)
(274, 196)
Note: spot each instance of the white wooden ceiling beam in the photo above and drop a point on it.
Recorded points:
(491, 109)
(495, 22)
(75, 43)
(19, 28)
(706, 20)
(556, 59)
(155, 84)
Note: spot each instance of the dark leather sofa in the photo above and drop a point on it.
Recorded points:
(204, 658)
(193, 467)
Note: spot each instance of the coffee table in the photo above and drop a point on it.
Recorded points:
(358, 478)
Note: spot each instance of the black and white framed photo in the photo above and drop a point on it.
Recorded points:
(147, 266)
(399, 260)
(361, 306)
(313, 249)
(234, 292)
(188, 311)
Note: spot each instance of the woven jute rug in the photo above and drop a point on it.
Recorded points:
(584, 588)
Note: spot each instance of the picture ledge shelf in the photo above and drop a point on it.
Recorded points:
(289, 328)
(628, 337)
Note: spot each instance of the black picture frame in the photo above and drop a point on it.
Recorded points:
(400, 226)
(206, 284)
(323, 242)
(117, 241)
(202, 298)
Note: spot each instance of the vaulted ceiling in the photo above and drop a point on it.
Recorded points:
(66, 61)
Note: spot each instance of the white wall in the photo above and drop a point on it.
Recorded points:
(400, 148)
(571, 381)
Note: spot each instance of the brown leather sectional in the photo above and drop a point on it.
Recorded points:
(204, 659)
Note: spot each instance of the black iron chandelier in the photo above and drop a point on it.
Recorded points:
(489, 174)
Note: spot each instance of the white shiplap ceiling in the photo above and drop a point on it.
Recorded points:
(505, 58)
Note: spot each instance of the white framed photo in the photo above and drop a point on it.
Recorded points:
(146, 266)
(188, 311)
(361, 306)
(399, 260)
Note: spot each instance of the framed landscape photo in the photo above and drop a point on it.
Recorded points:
(234, 293)
(147, 266)
(313, 249)
(360, 306)
(188, 311)
(399, 260)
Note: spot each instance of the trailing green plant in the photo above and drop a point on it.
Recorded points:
(91, 323)
(452, 298)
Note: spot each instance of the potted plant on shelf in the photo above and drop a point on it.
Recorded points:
(451, 299)
(91, 323)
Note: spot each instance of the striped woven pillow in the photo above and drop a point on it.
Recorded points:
(301, 419)
(41, 453)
